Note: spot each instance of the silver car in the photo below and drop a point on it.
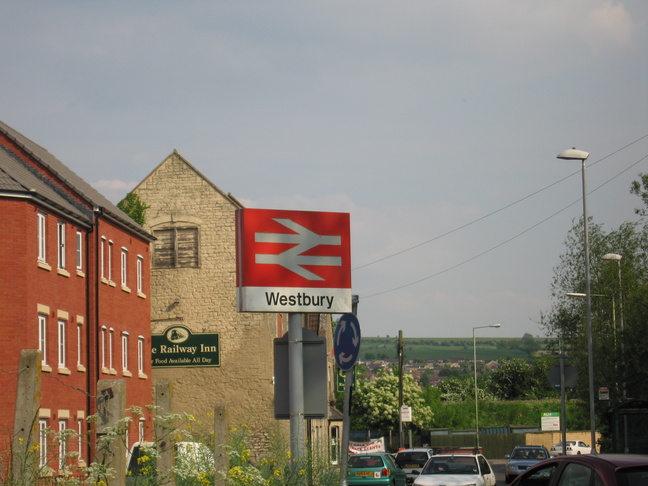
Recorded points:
(522, 458)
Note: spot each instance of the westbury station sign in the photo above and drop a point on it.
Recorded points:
(293, 261)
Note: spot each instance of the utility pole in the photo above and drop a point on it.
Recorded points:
(400, 388)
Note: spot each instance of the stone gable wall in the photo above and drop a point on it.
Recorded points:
(178, 195)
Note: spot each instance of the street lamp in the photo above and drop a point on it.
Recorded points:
(617, 257)
(614, 256)
(475, 369)
(574, 154)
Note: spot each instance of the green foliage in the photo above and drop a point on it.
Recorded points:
(375, 403)
(619, 308)
(134, 207)
(518, 380)
(461, 415)
(421, 349)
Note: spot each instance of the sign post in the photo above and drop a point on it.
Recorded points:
(293, 262)
(346, 347)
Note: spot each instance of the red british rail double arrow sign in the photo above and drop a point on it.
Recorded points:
(293, 261)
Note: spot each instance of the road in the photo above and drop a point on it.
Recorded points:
(498, 469)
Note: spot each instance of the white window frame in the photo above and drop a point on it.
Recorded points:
(103, 257)
(79, 343)
(140, 274)
(110, 253)
(140, 355)
(42, 237)
(42, 442)
(62, 442)
(79, 250)
(42, 337)
(60, 250)
(111, 336)
(141, 429)
(124, 342)
(103, 347)
(80, 439)
(61, 343)
(124, 267)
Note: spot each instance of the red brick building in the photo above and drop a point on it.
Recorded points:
(75, 285)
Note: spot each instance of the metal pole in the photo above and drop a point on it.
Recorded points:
(588, 298)
(563, 408)
(346, 427)
(346, 414)
(401, 439)
(476, 403)
(296, 386)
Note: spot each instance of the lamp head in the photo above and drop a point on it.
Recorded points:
(573, 154)
(611, 256)
(495, 325)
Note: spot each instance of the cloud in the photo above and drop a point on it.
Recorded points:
(113, 189)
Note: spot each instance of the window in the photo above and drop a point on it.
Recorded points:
(42, 442)
(80, 439)
(124, 267)
(141, 430)
(140, 355)
(125, 351)
(42, 337)
(140, 277)
(61, 343)
(62, 442)
(110, 252)
(61, 245)
(176, 248)
(103, 347)
(79, 344)
(111, 335)
(103, 257)
(42, 223)
(79, 251)
(575, 475)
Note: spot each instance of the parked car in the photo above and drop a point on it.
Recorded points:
(573, 447)
(412, 461)
(456, 469)
(599, 470)
(374, 469)
(522, 458)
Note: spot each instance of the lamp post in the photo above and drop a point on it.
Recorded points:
(617, 257)
(574, 154)
(475, 369)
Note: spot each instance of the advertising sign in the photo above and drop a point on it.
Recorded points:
(179, 347)
(293, 261)
(550, 421)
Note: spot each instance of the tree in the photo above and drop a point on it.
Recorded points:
(375, 403)
(619, 354)
(134, 207)
(516, 379)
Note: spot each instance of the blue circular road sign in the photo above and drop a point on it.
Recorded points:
(346, 342)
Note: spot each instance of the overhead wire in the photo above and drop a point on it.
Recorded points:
(400, 287)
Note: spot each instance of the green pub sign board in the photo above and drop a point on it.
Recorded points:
(179, 347)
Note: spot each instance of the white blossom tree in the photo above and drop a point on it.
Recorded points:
(375, 403)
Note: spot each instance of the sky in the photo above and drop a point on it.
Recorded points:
(435, 124)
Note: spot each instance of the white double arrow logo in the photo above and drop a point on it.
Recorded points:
(293, 258)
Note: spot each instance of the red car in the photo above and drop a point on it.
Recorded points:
(586, 470)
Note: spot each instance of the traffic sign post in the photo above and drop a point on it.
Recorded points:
(293, 262)
(346, 347)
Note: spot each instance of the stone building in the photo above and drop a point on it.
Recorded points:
(193, 291)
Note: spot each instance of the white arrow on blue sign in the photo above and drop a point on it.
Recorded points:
(346, 342)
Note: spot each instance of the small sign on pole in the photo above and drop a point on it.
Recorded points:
(406, 413)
